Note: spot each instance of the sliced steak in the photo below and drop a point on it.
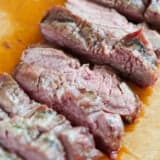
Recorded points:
(12, 98)
(5, 155)
(77, 104)
(116, 95)
(77, 141)
(76, 28)
(117, 23)
(45, 120)
(152, 14)
(18, 137)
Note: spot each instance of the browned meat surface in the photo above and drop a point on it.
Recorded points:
(152, 14)
(45, 122)
(76, 28)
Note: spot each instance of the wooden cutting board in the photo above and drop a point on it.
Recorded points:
(19, 27)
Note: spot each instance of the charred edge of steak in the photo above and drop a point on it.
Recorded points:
(55, 28)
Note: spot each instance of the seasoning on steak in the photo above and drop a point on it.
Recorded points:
(47, 120)
(152, 14)
(76, 28)
(5, 155)
(116, 95)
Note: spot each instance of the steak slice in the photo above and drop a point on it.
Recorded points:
(77, 141)
(78, 104)
(12, 98)
(46, 120)
(73, 143)
(122, 58)
(5, 155)
(116, 95)
(77, 29)
(18, 137)
(152, 14)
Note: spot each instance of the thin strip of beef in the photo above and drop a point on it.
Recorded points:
(80, 31)
(81, 106)
(5, 155)
(152, 35)
(47, 120)
(145, 55)
(116, 95)
(152, 14)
